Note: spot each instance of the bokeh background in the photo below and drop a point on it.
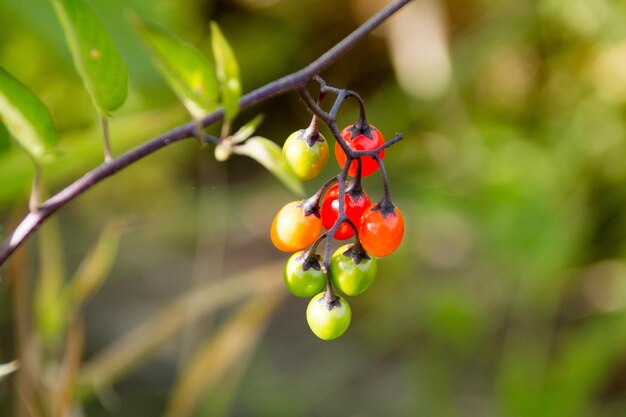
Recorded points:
(506, 298)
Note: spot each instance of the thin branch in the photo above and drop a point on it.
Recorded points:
(385, 145)
(291, 82)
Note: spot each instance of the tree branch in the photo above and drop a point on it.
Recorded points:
(291, 82)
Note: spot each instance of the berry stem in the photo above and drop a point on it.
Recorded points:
(342, 216)
(311, 254)
(312, 204)
(385, 145)
(355, 187)
(385, 204)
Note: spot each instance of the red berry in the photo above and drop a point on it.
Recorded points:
(369, 140)
(381, 230)
(354, 207)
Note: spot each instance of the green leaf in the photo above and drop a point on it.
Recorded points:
(227, 72)
(224, 149)
(270, 155)
(95, 56)
(26, 118)
(246, 130)
(184, 68)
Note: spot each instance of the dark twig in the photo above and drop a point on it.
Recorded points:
(294, 81)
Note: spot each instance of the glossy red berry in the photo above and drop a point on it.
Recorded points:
(354, 206)
(368, 140)
(381, 230)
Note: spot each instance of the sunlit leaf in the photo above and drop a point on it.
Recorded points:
(270, 155)
(8, 368)
(227, 72)
(26, 118)
(184, 68)
(96, 265)
(95, 56)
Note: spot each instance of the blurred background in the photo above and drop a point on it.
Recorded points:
(507, 296)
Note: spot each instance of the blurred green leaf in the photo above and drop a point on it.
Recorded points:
(97, 264)
(95, 56)
(183, 66)
(26, 118)
(65, 385)
(227, 72)
(270, 155)
(586, 362)
(5, 141)
(50, 304)
(220, 353)
(8, 368)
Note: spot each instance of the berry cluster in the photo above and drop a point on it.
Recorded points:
(340, 206)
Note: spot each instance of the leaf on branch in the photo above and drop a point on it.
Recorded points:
(186, 70)
(26, 118)
(227, 73)
(246, 130)
(95, 56)
(225, 148)
(270, 155)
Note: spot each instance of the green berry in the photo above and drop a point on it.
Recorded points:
(301, 282)
(348, 276)
(328, 318)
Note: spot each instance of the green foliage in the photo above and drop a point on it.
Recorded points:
(26, 118)
(185, 69)
(5, 140)
(227, 72)
(95, 56)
